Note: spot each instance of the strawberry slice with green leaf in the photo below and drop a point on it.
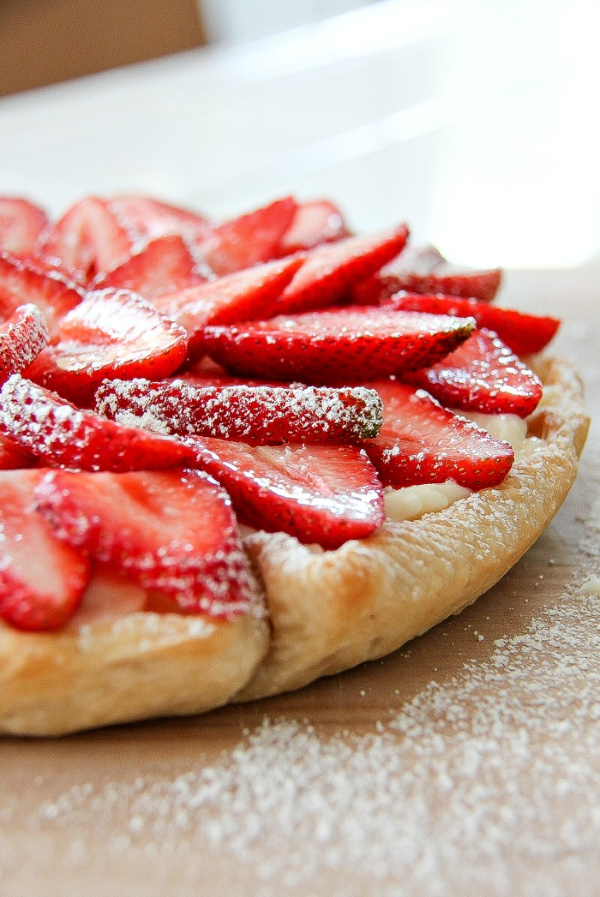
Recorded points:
(22, 337)
(147, 218)
(524, 333)
(315, 222)
(27, 280)
(259, 414)
(111, 333)
(346, 345)
(248, 240)
(164, 265)
(87, 239)
(42, 580)
(330, 270)
(21, 223)
(57, 433)
(421, 442)
(482, 375)
(251, 293)
(168, 530)
(318, 493)
(422, 269)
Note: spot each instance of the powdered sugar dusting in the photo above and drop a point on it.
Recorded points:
(459, 790)
(45, 422)
(23, 336)
(264, 413)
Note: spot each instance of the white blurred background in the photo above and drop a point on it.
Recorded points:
(236, 21)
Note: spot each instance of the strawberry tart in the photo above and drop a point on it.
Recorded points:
(236, 457)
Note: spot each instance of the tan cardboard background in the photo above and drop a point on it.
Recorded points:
(48, 41)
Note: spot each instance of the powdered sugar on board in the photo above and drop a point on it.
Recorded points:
(489, 781)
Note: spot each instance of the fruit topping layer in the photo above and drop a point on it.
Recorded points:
(165, 377)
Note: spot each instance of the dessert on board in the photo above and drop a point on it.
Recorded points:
(237, 456)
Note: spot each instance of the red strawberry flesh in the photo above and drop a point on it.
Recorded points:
(258, 414)
(41, 579)
(525, 334)
(28, 281)
(58, 433)
(424, 270)
(148, 218)
(248, 240)
(173, 531)
(314, 223)
(330, 271)
(111, 333)
(22, 337)
(421, 442)
(13, 456)
(251, 293)
(164, 265)
(482, 375)
(317, 493)
(346, 345)
(21, 223)
(87, 239)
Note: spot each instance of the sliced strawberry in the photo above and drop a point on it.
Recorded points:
(27, 280)
(58, 433)
(41, 579)
(111, 333)
(523, 333)
(148, 218)
(421, 442)
(330, 347)
(87, 239)
(482, 375)
(164, 265)
(318, 493)
(206, 372)
(13, 456)
(248, 240)
(247, 294)
(424, 270)
(330, 271)
(168, 530)
(259, 414)
(53, 267)
(21, 223)
(314, 223)
(22, 337)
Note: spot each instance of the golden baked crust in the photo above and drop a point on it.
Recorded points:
(134, 667)
(332, 610)
(328, 610)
